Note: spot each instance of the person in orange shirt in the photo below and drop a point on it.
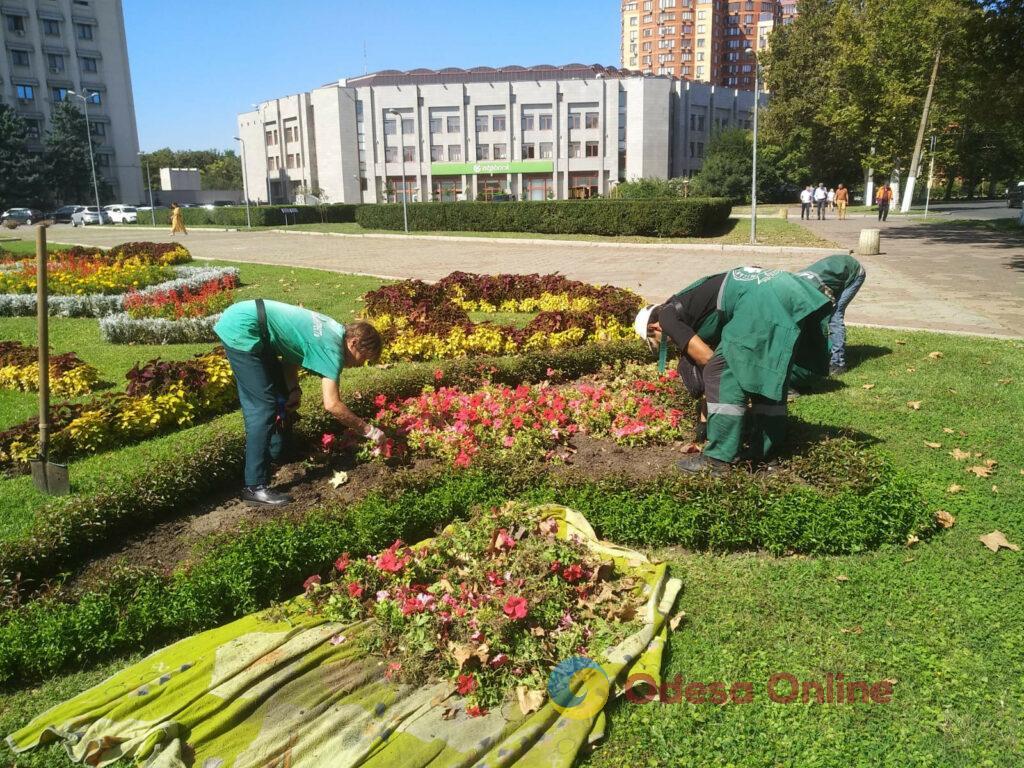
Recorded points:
(842, 200)
(883, 198)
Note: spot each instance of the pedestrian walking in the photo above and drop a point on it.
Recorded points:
(884, 198)
(831, 199)
(842, 200)
(177, 220)
(820, 196)
(806, 196)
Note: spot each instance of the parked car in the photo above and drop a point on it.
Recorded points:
(63, 214)
(89, 215)
(22, 216)
(122, 214)
(1015, 196)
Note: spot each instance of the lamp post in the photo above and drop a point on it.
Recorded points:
(245, 184)
(753, 175)
(405, 189)
(149, 186)
(266, 148)
(92, 163)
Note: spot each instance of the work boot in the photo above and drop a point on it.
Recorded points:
(791, 395)
(700, 430)
(698, 462)
(836, 370)
(262, 495)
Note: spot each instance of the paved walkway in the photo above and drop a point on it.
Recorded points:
(921, 280)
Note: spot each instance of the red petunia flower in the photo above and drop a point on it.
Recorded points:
(438, 374)
(465, 685)
(515, 608)
(341, 563)
(572, 573)
(476, 711)
(355, 590)
(327, 441)
(311, 582)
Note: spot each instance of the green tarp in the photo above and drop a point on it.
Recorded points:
(262, 691)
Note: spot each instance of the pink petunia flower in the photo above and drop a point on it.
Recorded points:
(312, 581)
(465, 685)
(515, 608)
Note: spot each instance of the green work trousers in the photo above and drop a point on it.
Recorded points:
(729, 406)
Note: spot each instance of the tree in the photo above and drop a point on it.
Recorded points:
(647, 188)
(66, 158)
(225, 172)
(728, 168)
(217, 169)
(21, 172)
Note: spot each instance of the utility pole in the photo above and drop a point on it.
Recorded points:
(915, 160)
(92, 162)
(931, 176)
(405, 187)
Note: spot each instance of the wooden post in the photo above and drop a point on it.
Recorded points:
(870, 242)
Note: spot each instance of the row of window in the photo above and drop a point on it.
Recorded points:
(15, 24)
(55, 61)
(27, 94)
(543, 150)
(497, 123)
(291, 133)
(34, 131)
(291, 161)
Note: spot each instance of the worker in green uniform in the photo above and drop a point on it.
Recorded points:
(266, 343)
(764, 321)
(839, 277)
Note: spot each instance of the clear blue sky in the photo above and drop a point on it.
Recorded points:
(196, 64)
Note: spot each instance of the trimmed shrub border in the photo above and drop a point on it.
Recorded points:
(689, 217)
(262, 215)
(124, 329)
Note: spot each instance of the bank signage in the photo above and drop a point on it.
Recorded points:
(492, 166)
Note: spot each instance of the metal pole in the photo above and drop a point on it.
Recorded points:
(149, 185)
(405, 192)
(931, 176)
(753, 183)
(92, 163)
(43, 323)
(245, 184)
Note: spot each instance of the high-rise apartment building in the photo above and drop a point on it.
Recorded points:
(55, 47)
(702, 40)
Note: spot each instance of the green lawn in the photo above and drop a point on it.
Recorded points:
(1007, 226)
(737, 232)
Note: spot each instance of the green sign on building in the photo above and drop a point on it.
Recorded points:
(492, 166)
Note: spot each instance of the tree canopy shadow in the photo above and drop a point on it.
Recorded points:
(861, 353)
(802, 435)
(966, 233)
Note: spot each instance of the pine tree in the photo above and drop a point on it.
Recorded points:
(21, 172)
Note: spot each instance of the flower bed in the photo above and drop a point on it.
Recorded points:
(490, 605)
(420, 321)
(160, 395)
(628, 404)
(101, 305)
(69, 375)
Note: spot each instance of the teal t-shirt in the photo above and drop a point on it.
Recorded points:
(299, 336)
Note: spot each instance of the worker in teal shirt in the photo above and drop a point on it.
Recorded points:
(266, 343)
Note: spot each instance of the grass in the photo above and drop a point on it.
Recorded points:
(1007, 226)
(942, 618)
(736, 232)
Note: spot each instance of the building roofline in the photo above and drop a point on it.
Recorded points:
(509, 73)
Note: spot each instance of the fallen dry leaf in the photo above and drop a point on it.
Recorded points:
(856, 630)
(933, 445)
(914, 405)
(691, 448)
(674, 622)
(1004, 381)
(900, 341)
(935, 355)
(339, 479)
(842, 577)
(911, 370)
(980, 471)
(867, 386)
(990, 463)
(995, 489)
(954, 488)
(449, 713)
(948, 431)
(959, 455)
(944, 519)
(461, 654)
(890, 680)
(995, 540)
(912, 540)
(529, 700)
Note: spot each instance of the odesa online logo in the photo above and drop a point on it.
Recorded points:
(592, 687)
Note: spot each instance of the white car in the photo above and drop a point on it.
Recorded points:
(122, 214)
(89, 214)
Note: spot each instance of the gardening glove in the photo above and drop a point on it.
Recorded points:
(374, 435)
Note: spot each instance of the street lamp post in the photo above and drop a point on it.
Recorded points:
(405, 188)
(92, 163)
(245, 184)
(149, 186)
(753, 177)
(266, 149)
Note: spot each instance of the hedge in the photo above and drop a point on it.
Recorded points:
(868, 506)
(691, 217)
(262, 215)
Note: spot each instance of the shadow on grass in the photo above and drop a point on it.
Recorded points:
(802, 435)
(1001, 233)
(861, 353)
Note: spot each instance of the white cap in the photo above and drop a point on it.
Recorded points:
(642, 318)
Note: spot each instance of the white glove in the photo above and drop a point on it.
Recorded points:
(373, 434)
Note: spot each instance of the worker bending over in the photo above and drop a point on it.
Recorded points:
(266, 343)
(839, 277)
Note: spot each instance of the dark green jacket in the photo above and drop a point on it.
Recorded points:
(835, 272)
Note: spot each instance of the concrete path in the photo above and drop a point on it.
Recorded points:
(964, 289)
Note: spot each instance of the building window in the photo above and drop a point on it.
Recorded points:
(591, 121)
(271, 138)
(94, 97)
(16, 24)
(20, 58)
(408, 154)
(483, 151)
(51, 28)
(453, 124)
(83, 31)
(290, 158)
(454, 151)
(592, 148)
(500, 151)
(58, 95)
(408, 126)
(436, 153)
(527, 122)
(482, 122)
(574, 120)
(544, 122)
(89, 64)
(390, 154)
(103, 161)
(498, 123)
(26, 93)
(574, 149)
(389, 127)
(291, 133)
(55, 62)
(529, 152)
(32, 129)
(545, 149)
(435, 125)
(273, 163)
(97, 129)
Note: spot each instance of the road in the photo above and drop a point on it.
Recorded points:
(923, 279)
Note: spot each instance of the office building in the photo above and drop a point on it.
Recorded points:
(533, 133)
(52, 47)
(701, 40)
